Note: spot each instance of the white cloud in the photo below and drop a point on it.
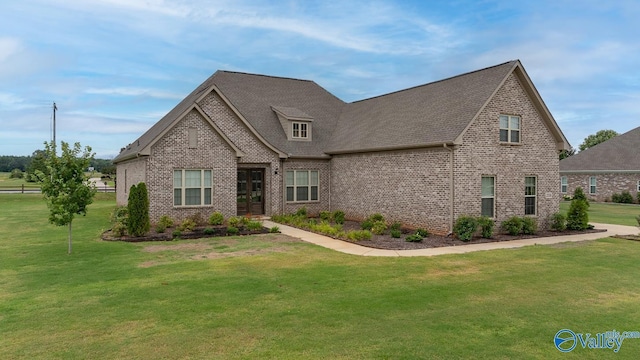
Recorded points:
(8, 47)
(131, 91)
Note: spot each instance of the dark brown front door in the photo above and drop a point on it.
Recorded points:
(250, 191)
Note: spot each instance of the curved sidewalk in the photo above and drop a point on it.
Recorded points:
(355, 249)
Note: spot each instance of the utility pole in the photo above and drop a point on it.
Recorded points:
(54, 127)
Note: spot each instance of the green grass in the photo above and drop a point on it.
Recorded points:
(609, 213)
(15, 184)
(271, 296)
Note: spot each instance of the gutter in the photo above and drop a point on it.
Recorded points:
(451, 186)
(599, 171)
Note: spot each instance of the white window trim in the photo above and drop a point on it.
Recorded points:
(183, 188)
(638, 185)
(564, 184)
(296, 186)
(593, 185)
(300, 125)
(509, 129)
(493, 216)
(534, 196)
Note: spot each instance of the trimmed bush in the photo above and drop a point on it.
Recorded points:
(138, 223)
(160, 228)
(209, 231)
(357, 235)
(413, 238)
(396, 233)
(376, 217)
(422, 232)
(638, 197)
(464, 227)
(396, 226)
(232, 230)
(513, 225)
(529, 225)
(626, 198)
(578, 194)
(325, 216)
(254, 225)
(176, 234)
(379, 227)
(367, 224)
(302, 211)
(119, 229)
(486, 226)
(234, 221)
(558, 222)
(120, 214)
(577, 216)
(165, 221)
(216, 218)
(187, 224)
(338, 217)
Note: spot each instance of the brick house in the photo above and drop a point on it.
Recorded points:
(478, 143)
(605, 169)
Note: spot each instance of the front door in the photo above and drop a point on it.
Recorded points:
(250, 194)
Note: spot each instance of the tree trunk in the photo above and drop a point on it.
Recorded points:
(69, 252)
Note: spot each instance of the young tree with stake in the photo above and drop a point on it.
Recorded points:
(66, 188)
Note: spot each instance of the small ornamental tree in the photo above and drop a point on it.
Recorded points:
(577, 217)
(65, 186)
(138, 223)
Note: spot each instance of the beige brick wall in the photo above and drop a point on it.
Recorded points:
(129, 173)
(482, 154)
(606, 184)
(407, 186)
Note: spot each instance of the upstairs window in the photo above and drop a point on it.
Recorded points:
(510, 129)
(300, 130)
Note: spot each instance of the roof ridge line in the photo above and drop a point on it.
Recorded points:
(434, 82)
(263, 75)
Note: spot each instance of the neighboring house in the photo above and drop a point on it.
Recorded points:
(605, 169)
(479, 143)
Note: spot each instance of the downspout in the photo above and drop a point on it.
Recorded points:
(451, 187)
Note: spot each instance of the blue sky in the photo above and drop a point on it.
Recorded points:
(115, 67)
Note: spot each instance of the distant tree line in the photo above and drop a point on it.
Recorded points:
(26, 166)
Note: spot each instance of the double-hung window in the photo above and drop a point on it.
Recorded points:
(488, 196)
(510, 129)
(638, 185)
(302, 185)
(530, 193)
(592, 185)
(564, 184)
(299, 130)
(192, 187)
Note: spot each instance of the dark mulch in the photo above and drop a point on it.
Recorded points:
(628, 237)
(197, 233)
(433, 241)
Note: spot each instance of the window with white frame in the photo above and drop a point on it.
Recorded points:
(592, 185)
(530, 193)
(300, 130)
(509, 129)
(638, 185)
(564, 184)
(488, 196)
(302, 185)
(192, 187)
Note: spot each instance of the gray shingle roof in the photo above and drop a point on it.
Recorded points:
(433, 113)
(430, 114)
(621, 153)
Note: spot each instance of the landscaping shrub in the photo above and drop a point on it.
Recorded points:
(626, 198)
(138, 223)
(274, 230)
(187, 224)
(160, 228)
(254, 225)
(577, 216)
(338, 216)
(326, 229)
(616, 198)
(245, 220)
(357, 235)
(558, 222)
(396, 233)
(378, 227)
(367, 224)
(377, 217)
(638, 197)
(513, 225)
(232, 230)
(486, 226)
(529, 225)
(119, 229)
(165, 221)
(464, 227)
(216, 218)
(197, 219)
(302, 211)
(325, 216)
(422, 232)
(413, 238)
(234, 221)
(120, 214)
(176, 234)
(209, 231)
(396, 226)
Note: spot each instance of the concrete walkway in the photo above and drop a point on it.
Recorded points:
(354, 249)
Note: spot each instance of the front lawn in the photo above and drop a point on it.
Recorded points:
(609, 213)
(274, 297)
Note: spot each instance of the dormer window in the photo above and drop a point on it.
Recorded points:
(299, 130)
(297, 124)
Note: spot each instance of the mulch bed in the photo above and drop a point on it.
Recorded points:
(197, 233)
(433, 241)
(628, 237)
